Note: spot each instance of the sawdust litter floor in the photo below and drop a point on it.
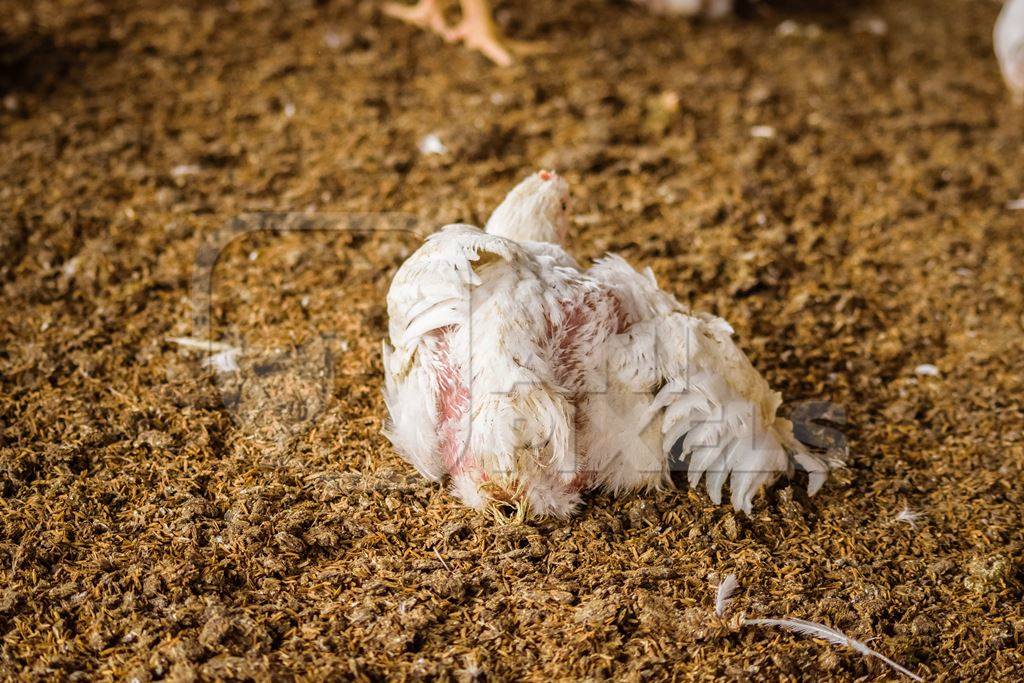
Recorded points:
(159, 520)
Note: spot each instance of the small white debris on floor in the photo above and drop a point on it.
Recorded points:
(70, 267)
(790, 28)
(289, 110)
(225, 361)
(908, 516)
(199, 344)
(224, 358)
(332, 40)
(763, 132)
(1015, 204)
(586, 219)
(182, 170)
(876, 26)
(431, 144)
(926, 370)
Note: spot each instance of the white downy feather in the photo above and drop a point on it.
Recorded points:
(908, 516)
(723, 596)
(811, 628)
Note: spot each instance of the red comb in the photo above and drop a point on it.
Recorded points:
(546, 175)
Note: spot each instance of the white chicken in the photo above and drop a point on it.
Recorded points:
(1008, 38)
(525, 380)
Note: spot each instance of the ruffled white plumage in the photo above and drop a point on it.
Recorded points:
(526, 380)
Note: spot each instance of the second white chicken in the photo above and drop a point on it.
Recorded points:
(1008, 38)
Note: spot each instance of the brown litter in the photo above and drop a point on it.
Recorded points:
(161, 520)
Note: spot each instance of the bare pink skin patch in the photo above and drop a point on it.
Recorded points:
(583, 322)
(452, 401)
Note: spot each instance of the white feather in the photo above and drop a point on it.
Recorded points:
(811, 628)
(724, 594)
(908, 516)
(200, 344)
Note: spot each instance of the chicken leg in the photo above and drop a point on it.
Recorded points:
(476, 29)
(478, 32)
